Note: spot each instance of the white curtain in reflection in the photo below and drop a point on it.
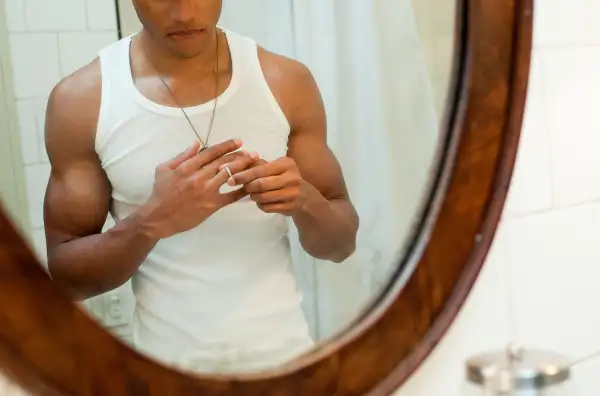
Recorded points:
(269, 22)
(382, 125)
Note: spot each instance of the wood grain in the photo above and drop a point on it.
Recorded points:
(51, 347)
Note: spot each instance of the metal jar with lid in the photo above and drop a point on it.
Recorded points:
(518, 372)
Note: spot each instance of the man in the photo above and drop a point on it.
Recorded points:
(202, 234)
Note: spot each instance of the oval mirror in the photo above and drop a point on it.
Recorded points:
(248, 196)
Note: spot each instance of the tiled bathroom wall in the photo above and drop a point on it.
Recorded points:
(539, 286)
(49, 40)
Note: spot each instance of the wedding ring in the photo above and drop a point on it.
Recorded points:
(228, 171)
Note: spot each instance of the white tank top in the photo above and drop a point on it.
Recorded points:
(221, 297)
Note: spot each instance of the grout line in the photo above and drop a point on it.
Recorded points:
(24, 10)
(87, 16)
(593, 201)
(34, 108)
(574, 45)
(60, 60)
(294, 28)
(511, 300)
(542, 82)
(41, 106)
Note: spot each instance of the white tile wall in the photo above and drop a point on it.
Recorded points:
(101, 15)
(548, 278)
(592, 14)
(79, 48)
(551, 225)
(36, 64)
(55, 15)
(15, 15)
(40, 116)
(572, 85)
(560, 22)
(533, 158)
(26, 109)
(48, 40)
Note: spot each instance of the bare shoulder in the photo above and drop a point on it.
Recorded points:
(72, 111)
(282, 70)
(291, 82)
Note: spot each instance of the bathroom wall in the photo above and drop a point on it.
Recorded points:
(49, 40)
(540, 283)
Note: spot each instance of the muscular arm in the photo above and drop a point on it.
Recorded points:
(328, 222)
(80, 257)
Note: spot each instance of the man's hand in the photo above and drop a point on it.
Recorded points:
(276, 187)
(186, 189)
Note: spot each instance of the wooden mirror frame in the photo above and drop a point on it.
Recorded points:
(51, 347)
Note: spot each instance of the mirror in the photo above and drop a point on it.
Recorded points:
(342, 105)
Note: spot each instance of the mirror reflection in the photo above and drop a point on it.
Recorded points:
(231, 182)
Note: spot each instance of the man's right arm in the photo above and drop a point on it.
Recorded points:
(80, 257)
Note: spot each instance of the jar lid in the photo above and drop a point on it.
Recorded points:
(518, 369)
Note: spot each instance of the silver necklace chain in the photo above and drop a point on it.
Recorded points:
(216, 100)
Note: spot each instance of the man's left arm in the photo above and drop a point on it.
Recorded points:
(308, 184)
(327, 221)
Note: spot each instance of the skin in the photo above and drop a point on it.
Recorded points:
(306, 185)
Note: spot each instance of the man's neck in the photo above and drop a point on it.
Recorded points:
(169, 64)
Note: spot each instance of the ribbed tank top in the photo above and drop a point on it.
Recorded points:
(221, 297)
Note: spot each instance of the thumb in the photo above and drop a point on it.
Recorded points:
(191, 152)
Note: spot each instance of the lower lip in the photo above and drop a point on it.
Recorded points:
(186, 35)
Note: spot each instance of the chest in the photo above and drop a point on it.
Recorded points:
(140, 144)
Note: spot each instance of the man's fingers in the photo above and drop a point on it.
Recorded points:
(274, 196)
(264, 184)
(218, 164)
(210, 154)
(186, 155)
(233, 196)
(260, 171)
(278, 207)
(238, 165)
(261, 161)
